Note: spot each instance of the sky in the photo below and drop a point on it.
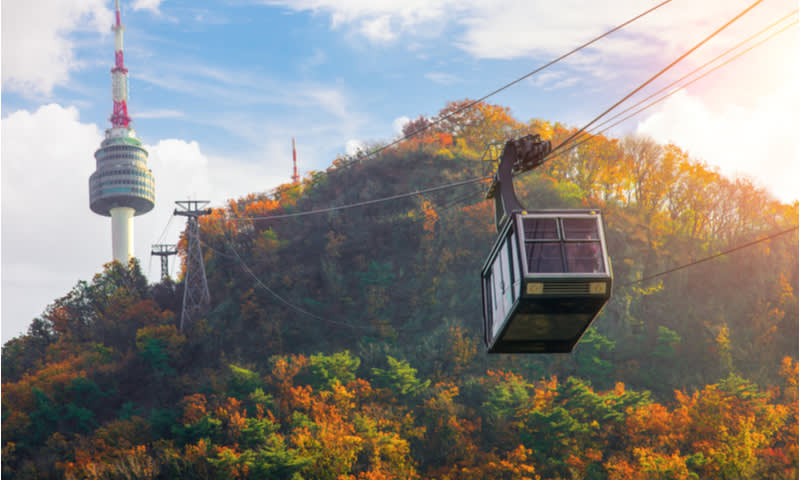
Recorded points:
(219, 88)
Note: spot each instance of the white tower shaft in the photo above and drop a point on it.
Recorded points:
(122, 234)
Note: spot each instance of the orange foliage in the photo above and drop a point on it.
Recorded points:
(194, 408)
(281, 377)
(448, 432)
(134, 462)
(217, 224)
(545, 393)
(50, 379)
(514, 465)
(479, 217)
(431, 217)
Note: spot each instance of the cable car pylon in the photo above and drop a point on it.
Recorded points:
(196, 297)
(548, 274)
(164, 251)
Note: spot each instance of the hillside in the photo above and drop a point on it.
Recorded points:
(347, 344)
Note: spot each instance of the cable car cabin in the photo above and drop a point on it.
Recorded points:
(546, 279)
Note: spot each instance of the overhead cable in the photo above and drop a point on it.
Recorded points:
(374, 327)
(160, 238)
(647, 82)
(701, 67)
(553, 151)
(512, 83)
(576, 144)
(712, 257)
(589, 135)
(504, 87)
(478, 179)
(367, 202)
(271, 292)
(300, 309)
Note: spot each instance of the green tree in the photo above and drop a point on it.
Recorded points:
(400, 378)
(326, 370)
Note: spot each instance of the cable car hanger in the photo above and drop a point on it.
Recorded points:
(519, 156)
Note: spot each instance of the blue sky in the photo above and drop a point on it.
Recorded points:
(217, 90)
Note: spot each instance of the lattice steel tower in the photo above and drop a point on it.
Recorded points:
(164, 251)
(122, 186)
(195, 286)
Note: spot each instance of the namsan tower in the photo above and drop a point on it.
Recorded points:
(122, 186)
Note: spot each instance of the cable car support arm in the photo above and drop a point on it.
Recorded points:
(519, 156)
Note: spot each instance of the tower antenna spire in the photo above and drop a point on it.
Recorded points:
(295, 176)
(119, 76)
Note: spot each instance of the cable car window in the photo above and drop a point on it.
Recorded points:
(501, 291)
(515, 273)
(544, 257)
(488, 286)
(510, 260)
(580, 229)
(540, 228)
(584, 257)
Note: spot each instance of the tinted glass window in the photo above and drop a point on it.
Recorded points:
(540, 228)
(581, 229)
(488, 285)
(544, 257)
(584, 257)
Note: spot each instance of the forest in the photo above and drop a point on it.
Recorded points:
(348, 345)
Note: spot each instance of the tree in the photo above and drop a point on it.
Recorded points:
(339, 368)
(400, 378)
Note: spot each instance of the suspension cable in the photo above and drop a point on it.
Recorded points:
(367, 202)
(712, 257)
(648, 81)
(589, 135)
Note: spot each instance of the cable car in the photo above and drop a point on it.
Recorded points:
(548, 274)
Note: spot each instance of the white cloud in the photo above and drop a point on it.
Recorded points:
(544, 78)
(552, 80)
(378, 29)
(183, 172)
(330, 99)
(161, 113)
(317, 58)
(399, 123)
(328, 112)
(510, 29)
(50, 237)
(47, 224)
(243, 87)
(442, 78)
(38, 50)
(380, 21)
(758, 142)
(352, 147)
(151, 5)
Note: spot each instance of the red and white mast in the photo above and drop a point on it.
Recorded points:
(295, 176)
(119, 78)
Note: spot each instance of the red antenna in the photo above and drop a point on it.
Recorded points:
(119, 78)
(295, 176)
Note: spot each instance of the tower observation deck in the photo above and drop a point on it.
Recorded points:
(122, 186)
